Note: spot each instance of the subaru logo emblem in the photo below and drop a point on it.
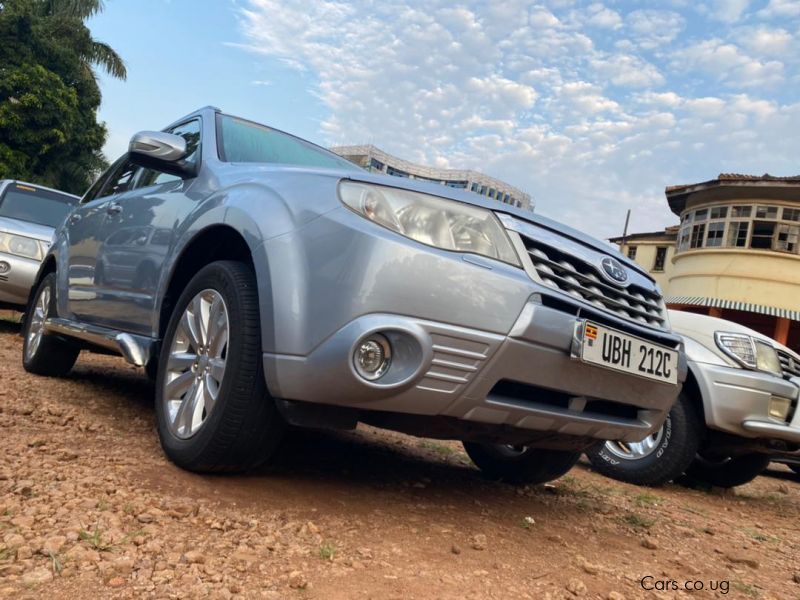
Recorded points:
(613, 270)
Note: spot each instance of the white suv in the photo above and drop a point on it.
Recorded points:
(738, 411)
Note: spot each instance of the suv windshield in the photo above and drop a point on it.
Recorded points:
(245, 141)
(35, 205)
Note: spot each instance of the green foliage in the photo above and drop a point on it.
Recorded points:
(49, 94)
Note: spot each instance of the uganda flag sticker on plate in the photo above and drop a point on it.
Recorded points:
(590, 333)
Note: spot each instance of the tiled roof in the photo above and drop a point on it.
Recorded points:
(736, 177)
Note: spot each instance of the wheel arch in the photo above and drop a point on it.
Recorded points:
(691, 388)
(216, 242)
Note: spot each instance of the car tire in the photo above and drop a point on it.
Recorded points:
(523, 465)
(239, 428)
(662, 457)
(44, 353)
(727, 473)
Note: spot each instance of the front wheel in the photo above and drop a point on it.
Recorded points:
(660, 457)
(521, 464)
(727, 472)
(213, 408)
(44, 353)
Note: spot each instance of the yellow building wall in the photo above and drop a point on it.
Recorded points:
(646, 257)
(767, 278)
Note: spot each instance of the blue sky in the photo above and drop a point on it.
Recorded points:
(592, 107)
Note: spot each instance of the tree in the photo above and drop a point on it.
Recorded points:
(49, 94)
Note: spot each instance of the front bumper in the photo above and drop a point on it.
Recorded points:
(736, 401)
(15, 284)
(525, 379)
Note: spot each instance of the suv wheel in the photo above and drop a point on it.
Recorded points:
(213, 408)
(727, 472)
(521, 464)
(44, 353)
(659, 458)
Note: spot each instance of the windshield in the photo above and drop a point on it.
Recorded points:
(35, 205)
(244, 141)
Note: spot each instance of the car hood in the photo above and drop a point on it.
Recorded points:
(452, 194)
(26, 228)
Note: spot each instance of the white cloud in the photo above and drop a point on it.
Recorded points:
(627, 70)
(781, 8)
(654, 28)
(582, 105)
(727, 63)
(765, 41)
(727, 11)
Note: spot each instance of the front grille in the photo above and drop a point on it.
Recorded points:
(789, 364)
(580, 279)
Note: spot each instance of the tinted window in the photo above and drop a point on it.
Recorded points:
(120, 180)
(191, 133)
(35, 205)
(243, 141)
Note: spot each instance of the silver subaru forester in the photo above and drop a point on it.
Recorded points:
(264, 281)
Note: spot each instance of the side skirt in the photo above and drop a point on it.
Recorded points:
(136, 349)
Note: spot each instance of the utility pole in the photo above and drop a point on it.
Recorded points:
(625, 230)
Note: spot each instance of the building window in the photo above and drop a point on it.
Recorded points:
(473, 187)
(719, 212)
(683, 237)
(791, 214)
(786, 239)
(661, 258)
(698, 232)
(700, 215)
(737, 234)
(632, 252)
(741, 211)
(716, 231)
(766, 212)
(763, 231)
(375, 165)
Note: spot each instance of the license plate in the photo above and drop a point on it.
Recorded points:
(612, 349)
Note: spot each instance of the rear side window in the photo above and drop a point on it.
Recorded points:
(35, 205)
(247, 142)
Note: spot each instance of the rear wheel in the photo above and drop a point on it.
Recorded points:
(44, 353)
(521, 464)
(660, 457)
(727, 472)
(213, 408)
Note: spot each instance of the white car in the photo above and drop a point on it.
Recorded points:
(738, 411)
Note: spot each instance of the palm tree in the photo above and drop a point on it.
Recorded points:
(65, 19)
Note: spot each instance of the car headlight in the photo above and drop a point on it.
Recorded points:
(20, 245)
(749, 352)
(431, 220)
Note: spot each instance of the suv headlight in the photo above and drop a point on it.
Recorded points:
(431, 220)
(20, 245)
(749, 352)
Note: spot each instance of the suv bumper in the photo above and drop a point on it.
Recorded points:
(526, 379)
(739, 402)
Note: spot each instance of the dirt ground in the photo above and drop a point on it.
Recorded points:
(89, 507)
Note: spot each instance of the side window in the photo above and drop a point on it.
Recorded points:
(120, 179)
(190, 131)
(96, 190)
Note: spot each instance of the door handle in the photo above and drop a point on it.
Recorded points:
(114, 209)
(74, 218)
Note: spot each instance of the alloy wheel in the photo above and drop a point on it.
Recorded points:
(196, 364)
(38, 316)
(636, 450)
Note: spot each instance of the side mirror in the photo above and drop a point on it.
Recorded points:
(161, 151)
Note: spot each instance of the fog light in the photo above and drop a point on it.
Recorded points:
(779, 407)
(372, 357)
(4, 267)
